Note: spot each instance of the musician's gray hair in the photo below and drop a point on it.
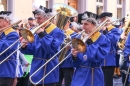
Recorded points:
(7, 18)
(92, 21)
(42, 13)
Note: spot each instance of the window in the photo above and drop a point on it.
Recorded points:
(99, 9)
(100, 1)
(119, 2)
(3, 5)
(119, 13)
(37, 3)
(47, 4)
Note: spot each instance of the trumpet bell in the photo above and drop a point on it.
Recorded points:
(65, 12)
(79, 45)
(27, 35)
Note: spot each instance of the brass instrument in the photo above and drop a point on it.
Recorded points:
(75, 42)
(65, 13)
(64, 52)
(27, 35)
(121, 43)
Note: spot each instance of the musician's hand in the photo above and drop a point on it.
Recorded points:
(24, 43)
(40, 30)
(104, 28)
(74, 52)
(68, 47)
(123, 36)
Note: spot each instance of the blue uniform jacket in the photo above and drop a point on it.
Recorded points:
(127, 52)
(8, 68)
(127, 49)
(113, 35)
(88, 64)
(43, 49)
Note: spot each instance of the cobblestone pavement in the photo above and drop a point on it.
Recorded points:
(117, 82)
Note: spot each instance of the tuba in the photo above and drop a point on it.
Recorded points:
(62, 18)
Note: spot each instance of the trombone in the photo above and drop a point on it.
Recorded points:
(78, 42)
(64, 12)
(27, 35)
(74, 44)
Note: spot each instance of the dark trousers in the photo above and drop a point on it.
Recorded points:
(51, 84)
(117, 60)
(124, 67)
(108, 75)
(6, 81)
(23, 81)
(66, 74)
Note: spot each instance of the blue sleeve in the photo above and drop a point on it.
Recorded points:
(29, 49)
(113, 36)
(51, 43)
(9, 40)
(127, 48)
(77, 62)
(98, 51)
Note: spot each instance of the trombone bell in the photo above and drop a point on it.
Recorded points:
(79, 45)
(27, 35)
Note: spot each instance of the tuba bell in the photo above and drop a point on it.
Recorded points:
(65, 13)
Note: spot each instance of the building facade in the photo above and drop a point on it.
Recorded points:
(22, 9)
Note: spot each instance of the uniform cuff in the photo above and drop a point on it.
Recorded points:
(41, 34)
(24, 48)
(89, 41)
(105, 32)
(74, 58)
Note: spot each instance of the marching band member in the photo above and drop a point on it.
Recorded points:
(7, 37)
(126, 52)
(22, 63)
(113, 35)
(123, 63)
(127, 58)
(31, 23)
(47, 42)
(66, 70)
(88, 64)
